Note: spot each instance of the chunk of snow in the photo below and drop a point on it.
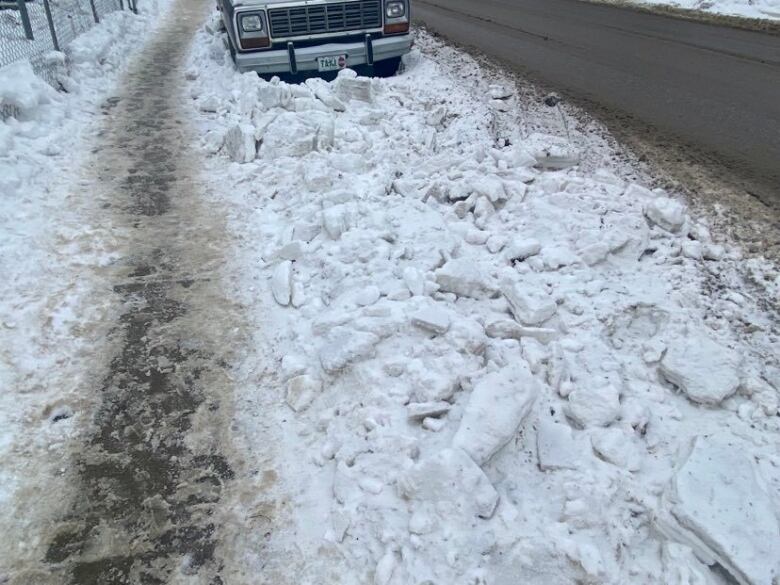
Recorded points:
(296, 134)
(337, 219)
(496, 243)
(414, 281)
(432, 319)
(522, 248)
(450, 476)
(240, 143)
(666, 213)
(464, 278)
(556, 447)
(420, 410)
(704, 370)
(528, 307)
(281, 283)
(594, 253)
(354, 88)
(301, 390)
(497, 406)
(594, 407)
(715, 504)
(368, 296)
(507, 329)
(345, 346)
(491, 187)
(616, 447)
(500, 92)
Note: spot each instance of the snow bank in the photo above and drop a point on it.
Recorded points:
(765, 9)
(50, 258)
(479, 363)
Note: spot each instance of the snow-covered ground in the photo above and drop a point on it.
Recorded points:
(53, 315)
(765, 9)
(481, 368)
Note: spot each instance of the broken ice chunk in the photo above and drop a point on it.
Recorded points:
(715, 504)
(666, 213)
(615, 447)
(345, 346)
(594, 407)
(432, 319)
(464, 278)
(281, 283)
(555, 446)
(240, 143)
(414, 281)
(450, 476)
(506, 329)
(528, 307)
(521, 249)
(491, 187)
(420, 410)
(705, 371)
(496, 408)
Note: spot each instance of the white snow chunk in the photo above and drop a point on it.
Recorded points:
(345, 346)
(420, 410)
(210, 104)
(329, 99)
(464, 278)
(616, 447)
(594, 407)
(681, 567)
(496, 408)
(496, 243)
(22, 90)
(421, 523)
(301, 390)
(433, 424)
(385, 568)
(354, 88)
(450, 476)
(337, 219)
(715, 504)
(296, 134)
(291, 251)
(491, 187)
(555, 446)
(414, 281)
(432, 319)
(528, 307)
(499, 105)
(522, 249)
(368, 296)
(507, 329)
(666, 213)
(594, 253)
(705, 371)
(281, 283)
(274, 96)
(240, 143)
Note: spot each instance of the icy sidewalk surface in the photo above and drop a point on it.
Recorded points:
(480, 369)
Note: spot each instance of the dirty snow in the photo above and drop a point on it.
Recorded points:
(53, 318)
(494, 368)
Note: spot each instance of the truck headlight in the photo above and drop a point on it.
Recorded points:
(395, 9)
(251, 23)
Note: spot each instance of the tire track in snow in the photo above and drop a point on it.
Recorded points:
(155, 462)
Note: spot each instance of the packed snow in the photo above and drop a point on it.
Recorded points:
(53, 316)
(489, 354)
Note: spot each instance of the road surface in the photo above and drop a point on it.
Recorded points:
(711, 87)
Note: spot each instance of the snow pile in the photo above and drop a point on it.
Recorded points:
(484, 367)
(766, 9)
(48, 260)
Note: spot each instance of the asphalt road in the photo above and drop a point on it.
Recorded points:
(714, 88)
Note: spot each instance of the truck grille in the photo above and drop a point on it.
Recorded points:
(325, 18)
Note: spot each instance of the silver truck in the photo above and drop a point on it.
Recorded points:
(291, 36)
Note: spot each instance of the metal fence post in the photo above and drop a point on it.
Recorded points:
(121, 4)
(52, 29)
(135, 5)
(22, 6)
(94, 11)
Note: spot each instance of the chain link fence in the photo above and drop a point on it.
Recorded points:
(32, 29)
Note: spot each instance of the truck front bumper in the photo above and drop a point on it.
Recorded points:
(305, 58)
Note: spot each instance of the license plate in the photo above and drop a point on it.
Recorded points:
(332, 63)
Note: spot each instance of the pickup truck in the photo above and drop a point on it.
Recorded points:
(292, 36)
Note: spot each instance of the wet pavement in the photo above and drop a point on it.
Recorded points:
(155, 461)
